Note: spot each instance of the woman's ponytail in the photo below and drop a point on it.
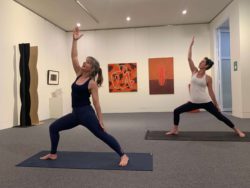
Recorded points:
(96, 71)
(99, 77)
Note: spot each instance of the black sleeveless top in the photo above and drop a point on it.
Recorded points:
(80, 94)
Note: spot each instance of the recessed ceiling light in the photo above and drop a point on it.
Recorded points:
(184, 12)
(78, 25)
(128, 18)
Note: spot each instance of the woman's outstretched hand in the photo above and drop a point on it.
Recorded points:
(192, 42)
(76, 33)
(218, 108)
(102, 126)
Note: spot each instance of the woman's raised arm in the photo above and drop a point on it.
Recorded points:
(74, 53)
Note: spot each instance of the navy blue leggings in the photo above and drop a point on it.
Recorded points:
(210, 107)
(85, 116)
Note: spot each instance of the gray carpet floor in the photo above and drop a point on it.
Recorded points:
(186, 164)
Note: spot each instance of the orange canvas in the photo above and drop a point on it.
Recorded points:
(161, 75)
(122, 77)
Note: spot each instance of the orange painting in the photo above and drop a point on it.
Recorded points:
(161, 75)
(122, 77)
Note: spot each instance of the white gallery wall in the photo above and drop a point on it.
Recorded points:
(244, 6)
(108, 46)
(238, 15)
(137, 45)
(19, 25)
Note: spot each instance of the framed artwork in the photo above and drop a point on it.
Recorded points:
(52, 77)
(122, 77)
(161, 75)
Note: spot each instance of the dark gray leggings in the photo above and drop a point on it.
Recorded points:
(210, 107)
(81, 116)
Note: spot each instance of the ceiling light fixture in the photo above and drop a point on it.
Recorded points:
(184, 12)
(128, 18)
(78, 25)
(86, 11)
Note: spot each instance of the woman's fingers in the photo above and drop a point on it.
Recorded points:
(80, 35)
(76, 33)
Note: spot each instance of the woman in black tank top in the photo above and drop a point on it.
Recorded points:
(83, 114)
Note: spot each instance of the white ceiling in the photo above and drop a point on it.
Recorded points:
(112, 13)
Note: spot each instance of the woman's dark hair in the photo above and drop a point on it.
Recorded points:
(209, 63)
(96, 70)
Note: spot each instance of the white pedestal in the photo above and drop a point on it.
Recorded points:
(56, 107)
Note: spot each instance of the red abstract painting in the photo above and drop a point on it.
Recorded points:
(122, 77)
(161, 75)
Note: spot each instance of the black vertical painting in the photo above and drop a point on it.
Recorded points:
(24, 84)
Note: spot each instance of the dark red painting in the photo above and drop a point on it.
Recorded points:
(161, 75)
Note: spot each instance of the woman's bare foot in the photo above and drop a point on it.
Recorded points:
(173, 131)
(49, 157)
(124, 160)
(239, 132)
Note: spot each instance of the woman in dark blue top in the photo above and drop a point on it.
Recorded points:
(83, 113)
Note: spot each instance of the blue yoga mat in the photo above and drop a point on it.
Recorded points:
(91, 160)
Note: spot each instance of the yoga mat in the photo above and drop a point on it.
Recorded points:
(197, 136)
(91, 160)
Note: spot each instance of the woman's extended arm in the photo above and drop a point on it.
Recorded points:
(74, 53)
(211, 92)
(193, 68)
(95, 98)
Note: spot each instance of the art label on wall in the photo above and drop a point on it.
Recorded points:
(161, 75)
(122, 77)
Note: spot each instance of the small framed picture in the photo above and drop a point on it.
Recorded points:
(52, 77)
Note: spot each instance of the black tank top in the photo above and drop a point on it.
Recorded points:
(80, 94)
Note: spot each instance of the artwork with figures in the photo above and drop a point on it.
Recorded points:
(161, 75)
(122, 77)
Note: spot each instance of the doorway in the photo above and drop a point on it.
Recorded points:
(224, 67)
